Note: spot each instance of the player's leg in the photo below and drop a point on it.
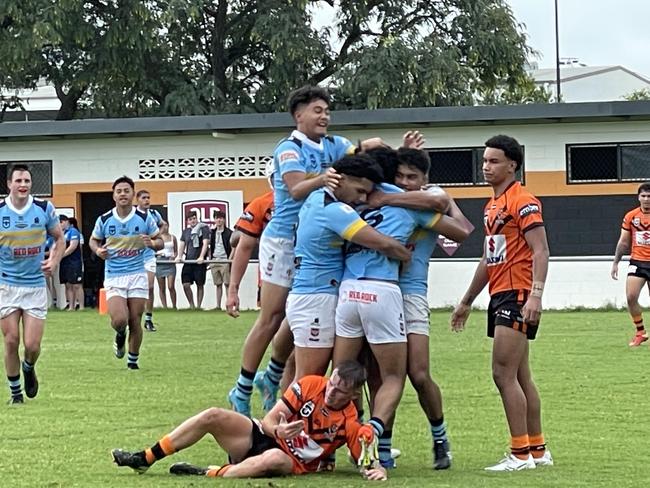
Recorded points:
(148, 307)
(136, 307)
(118, 311)
(11, 336)
(171, 287)
(162, 290)
(268, 321)
(268, 381)
(633, 286)
(32, 336)
(273, 462)
(508, 351)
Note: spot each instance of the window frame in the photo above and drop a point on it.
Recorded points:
(619, 162)
(477, 158)
(29, 163)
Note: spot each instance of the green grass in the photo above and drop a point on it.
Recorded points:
(592, 387)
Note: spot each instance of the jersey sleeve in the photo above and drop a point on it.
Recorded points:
(156, 216)
(251, 221)
(343, 219)
(627, 221)
(74, 235)
(52, 219)
(529, 213)
(343, 147)
(151, 226)
(287, 156)
(295, 395)
(426, 220)
(98, 230)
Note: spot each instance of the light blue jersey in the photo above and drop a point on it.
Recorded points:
(323, 225)
(157, 218)
(413, 280)
(396, 222)
(124, 240)
(22, 241)
(298, 153)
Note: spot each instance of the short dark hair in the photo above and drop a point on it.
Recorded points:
(18, 167)
(643, 187)
(360, 166)
(219, 215)
(510, 147)
(190, 214)
(352, 373)
(305, 95)
(63, 218)
(142, 192)
(74, 223)
(124, 179)
(387, 159)
(415, 158)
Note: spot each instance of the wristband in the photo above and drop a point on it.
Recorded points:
(538, 289)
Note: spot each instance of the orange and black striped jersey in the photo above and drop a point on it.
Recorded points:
(638, 224)
(256, 215)
(507, 218)
(324, 429)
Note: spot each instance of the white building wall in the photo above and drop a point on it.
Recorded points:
(601, 87)
(104, 159)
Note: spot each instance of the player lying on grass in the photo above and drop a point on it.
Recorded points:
(314, 417)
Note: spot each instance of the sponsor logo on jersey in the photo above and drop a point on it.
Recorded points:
(362, 296)
(307, 409)
(6, 222)
(288, 156)
(247, 216)
(531, 208)
(112, 230)
(495, 249)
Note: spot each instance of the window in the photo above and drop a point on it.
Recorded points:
(41, 176)
(610, 162)
(459, 166)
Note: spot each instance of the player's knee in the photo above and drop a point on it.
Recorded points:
(632, 300)
(119, 322)
(12, 342)
(32, 347)
(213, 416)
(501, 374)
(275, 460)
(419, 378)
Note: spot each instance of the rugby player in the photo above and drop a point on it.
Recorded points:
(120, 237)
(635, 236)
(26, 222)
(514, 265)
(314, 417)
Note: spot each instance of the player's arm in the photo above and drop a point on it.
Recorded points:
(274, 423)
(372, 239)
(354, 433)
(242, 256)
(479, 281)
(455, 225)
(536, 240)
(417, 200)
(622, 247)
(299, 186)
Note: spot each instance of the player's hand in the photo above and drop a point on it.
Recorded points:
(146, 240)
(288, 430)
(375, 474)
(331, 179)
(459, 317)
(47, 266)
(366, 433)
(532, 310)
(372, 143)
(413, 139)
(232, 303)
(102, 252)
(614, 271)
(375, 199)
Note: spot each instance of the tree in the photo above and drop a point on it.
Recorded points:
(129, 57)
(637, 95)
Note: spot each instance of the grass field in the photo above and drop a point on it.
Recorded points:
(593, 390)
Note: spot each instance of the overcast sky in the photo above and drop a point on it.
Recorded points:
(597, 32)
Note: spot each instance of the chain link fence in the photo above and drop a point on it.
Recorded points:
(608, 162)
(459, 166)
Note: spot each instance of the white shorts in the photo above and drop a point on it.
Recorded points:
(30, 299)
(127, 286)
(416, 314)
(150, 265)
(311, 319)
(277, 257)
(373, 309)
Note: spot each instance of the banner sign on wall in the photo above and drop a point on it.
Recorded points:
(205, 204)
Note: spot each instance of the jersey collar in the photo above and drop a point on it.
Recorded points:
(306, 140)
(122, 220)
(23, 210)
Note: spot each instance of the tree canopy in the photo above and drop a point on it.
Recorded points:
(121, 58)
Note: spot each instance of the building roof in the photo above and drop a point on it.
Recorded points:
(353, 119)
(571, 73)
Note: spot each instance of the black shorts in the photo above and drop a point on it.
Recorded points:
(505, 310)
(640, 269)
(260, 442)
(193, 273)
(72, 274)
